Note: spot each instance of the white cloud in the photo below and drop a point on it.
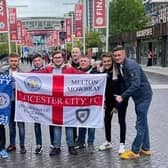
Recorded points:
(42, 7)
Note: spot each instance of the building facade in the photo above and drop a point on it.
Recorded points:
(41, 23)
(153, 37)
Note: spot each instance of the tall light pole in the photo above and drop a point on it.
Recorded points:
(107, 25)
(84, 27)
(72, 27)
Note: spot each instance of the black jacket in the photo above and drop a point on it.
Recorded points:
(113, 86)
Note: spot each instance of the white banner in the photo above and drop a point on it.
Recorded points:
(65, 100)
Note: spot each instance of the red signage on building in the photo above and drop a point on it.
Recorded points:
(19, 31)
(12, 24)
(99, 17)
(79, 20)
(56, 37)
(68, 22)
(3, 16)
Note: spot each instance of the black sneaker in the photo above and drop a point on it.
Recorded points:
(22, 149)
(55, 151)
(80, 146)
(91, 148)
(38, 149)
(72, 150)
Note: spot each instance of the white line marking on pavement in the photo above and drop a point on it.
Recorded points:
(159, 86)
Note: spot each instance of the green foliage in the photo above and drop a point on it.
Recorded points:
(76, 43)
(4, 44)
(126, 15)
(69, 47)
(3, 48)
(93, 39)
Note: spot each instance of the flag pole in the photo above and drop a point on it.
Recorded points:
(9, 40)
(107, 25)
(84, 26)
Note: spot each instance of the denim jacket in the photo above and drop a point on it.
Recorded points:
(136, 82)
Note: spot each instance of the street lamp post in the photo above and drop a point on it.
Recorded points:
(84, 26)
(107, 25)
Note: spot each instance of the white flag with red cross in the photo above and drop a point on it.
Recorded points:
(66, 100)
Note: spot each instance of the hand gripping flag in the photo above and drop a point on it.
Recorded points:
(5, 98)
(64, 100)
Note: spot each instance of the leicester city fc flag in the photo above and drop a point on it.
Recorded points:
(5, 96)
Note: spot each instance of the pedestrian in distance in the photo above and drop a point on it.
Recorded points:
(138, 87)
(149, 57)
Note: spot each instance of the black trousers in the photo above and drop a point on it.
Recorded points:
(2, 137)
(75, 134)
(121, 120)
(51, 131)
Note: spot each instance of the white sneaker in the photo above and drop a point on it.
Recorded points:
(121, 148)
(105, 145)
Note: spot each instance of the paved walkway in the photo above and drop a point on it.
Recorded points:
(156, 69)
(158, 124)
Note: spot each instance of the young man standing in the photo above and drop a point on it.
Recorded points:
(114, 86)
(13, 61)
(137, 87)
(59, 67)
(38, 64)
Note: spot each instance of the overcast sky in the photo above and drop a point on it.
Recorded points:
(42, 7)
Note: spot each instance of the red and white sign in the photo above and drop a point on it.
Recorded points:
(68, 22)
(69, 100)
(79, 20)
(3, 16)
(99, 10)
(56, 38)
(12, 24)
(19, 31)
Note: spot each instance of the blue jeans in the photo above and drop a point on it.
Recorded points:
(82, 136)
(12, 133)
(142, 138)
(58, 134)
(12, 128)
(37, 129)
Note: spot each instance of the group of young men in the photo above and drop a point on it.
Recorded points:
(125, 79)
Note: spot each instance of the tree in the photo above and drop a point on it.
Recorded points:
(126, 15)
(4, 49)
(93, 39)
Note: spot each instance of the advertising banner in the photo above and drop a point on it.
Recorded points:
(99, 10)
(3, 16)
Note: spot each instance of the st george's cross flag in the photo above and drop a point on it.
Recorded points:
(66, 100)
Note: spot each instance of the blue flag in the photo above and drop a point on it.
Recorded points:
(5, 98)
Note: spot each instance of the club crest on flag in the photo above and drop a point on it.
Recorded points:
(2, 25)
(33, 83)
(4, 100)
(82, 115)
